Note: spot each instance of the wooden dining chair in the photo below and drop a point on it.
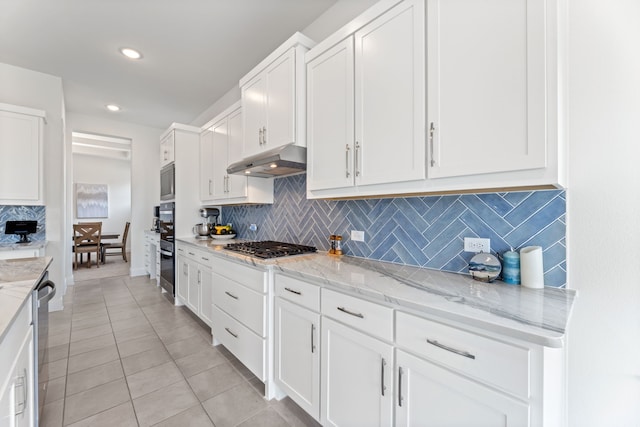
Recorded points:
(86, 239)
(121, 246)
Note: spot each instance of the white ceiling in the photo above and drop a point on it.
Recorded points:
(194, 51)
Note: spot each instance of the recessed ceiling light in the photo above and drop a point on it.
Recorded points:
(130, 53)
(113, 107)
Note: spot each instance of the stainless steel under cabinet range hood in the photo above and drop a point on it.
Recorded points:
(281, 161)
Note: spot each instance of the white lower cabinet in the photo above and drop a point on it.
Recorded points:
(297, 354)
(429, 395)
(194, 282)
(17, 400)
(357, 380)
(240, 315)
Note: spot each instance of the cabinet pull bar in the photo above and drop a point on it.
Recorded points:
(344, 310)
(382, 386)
(231, 295)
(260, 136)
(357, 168)
(452, 350)
(210, 192)
(264, 135)
(292, 291)
(231, 333)
(400, 372)
(313, 346)
(432, 130)
(21, 382)
(347, 161)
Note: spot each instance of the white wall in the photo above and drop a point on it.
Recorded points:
(145, 176)
(116, 174)
(604, 212)
(28, 88)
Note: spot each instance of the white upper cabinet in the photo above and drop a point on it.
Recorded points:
(486, 86)
(365, 104)
(460, 96)
(389, 83)
(273, 98)
(221, 145)
(167, 149)
(21, 155)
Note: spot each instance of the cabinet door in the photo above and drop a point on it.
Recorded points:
(195, 279)
(167, 146)
(24, 383)
(206, 294)
(281, 101)
(357, 378)
(432, 396)
(389, 103)
(330, 118)
(236, 184)
(220, 131)
(206, 164)
(254, 114)
(297, 355)
(20, 158)
(486, 86)
(182, 279)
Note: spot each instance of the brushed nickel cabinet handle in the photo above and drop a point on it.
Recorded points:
(313, 346)
(451, 349)
(264, 135)
(292, 291)
(400, 372)
(344, 310)
(432, 130)
(346, 155)
(382, 386)
(231, 333)
(357, 153)
(231, 295)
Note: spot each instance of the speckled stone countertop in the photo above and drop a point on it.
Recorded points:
(18, 277)
(14, 246)
(538, 316)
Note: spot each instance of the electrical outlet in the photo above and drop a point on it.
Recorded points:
(475, 244)
(253, 227)
(357, 236)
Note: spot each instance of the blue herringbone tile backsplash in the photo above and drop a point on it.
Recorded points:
(422, 231)
(17, 213)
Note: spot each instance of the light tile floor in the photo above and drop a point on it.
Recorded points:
(121, 354)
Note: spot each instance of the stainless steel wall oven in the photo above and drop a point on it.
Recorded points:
(167, 248)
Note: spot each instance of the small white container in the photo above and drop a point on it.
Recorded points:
(531, 268)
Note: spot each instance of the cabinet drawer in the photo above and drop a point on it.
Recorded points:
(245, 305)
(369, 317)
(248, 347)
(302, 293)
(493, 362)
(247, 276)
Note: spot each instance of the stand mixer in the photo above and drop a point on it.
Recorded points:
(203, 230)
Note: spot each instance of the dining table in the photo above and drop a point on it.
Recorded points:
(105, 235)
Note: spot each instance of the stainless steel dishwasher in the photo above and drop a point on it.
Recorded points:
(42, 293)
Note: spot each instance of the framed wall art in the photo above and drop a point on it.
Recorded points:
(92, 200)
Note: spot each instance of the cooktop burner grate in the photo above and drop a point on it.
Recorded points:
(270, 249)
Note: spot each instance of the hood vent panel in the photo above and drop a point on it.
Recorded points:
(281, 161)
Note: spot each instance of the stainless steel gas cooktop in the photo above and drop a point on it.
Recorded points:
(269, 249)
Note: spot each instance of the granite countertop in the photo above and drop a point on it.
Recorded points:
(15, 246)
(539, 316)
(18, 277)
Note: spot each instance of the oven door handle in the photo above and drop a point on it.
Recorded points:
(166, 253)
